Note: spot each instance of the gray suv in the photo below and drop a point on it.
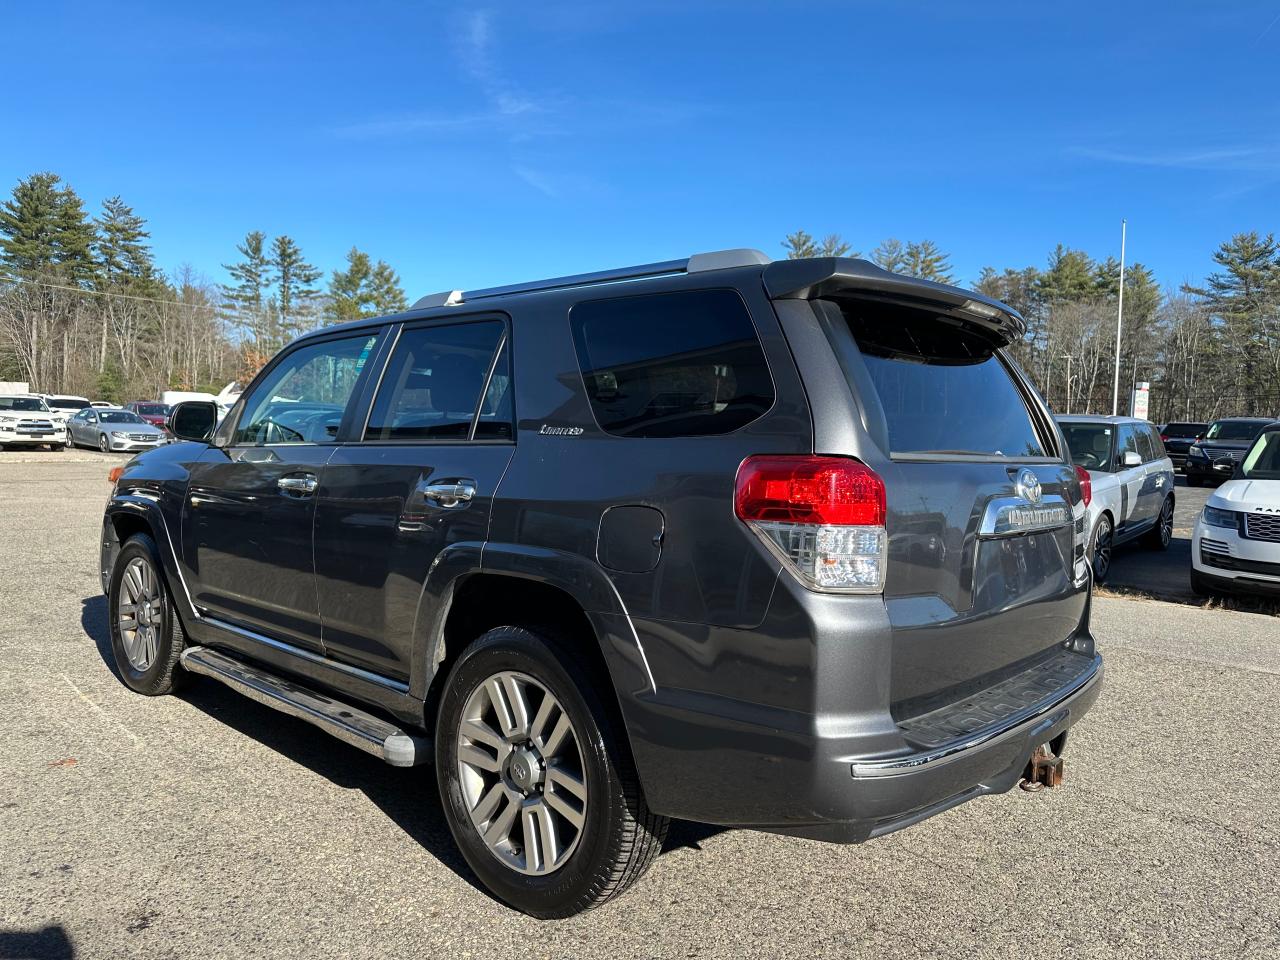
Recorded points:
(788, 546)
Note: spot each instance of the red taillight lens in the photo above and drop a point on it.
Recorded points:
(1086, 485)
(1164, 438)
(807, 489)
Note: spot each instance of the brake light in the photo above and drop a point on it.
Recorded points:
(1086, 485)
(823, 517)
(1164, 438)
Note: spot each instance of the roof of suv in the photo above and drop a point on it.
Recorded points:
(1095, 418)
(783, 279)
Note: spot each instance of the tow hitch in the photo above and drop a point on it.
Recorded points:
(1044, 770)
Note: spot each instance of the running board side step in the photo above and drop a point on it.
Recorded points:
(348, 723)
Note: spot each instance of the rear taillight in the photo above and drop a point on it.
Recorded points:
(822, 516)
(1164, 438)
(1086, 485)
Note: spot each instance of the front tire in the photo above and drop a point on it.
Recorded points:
(103, 444)
(536, 777)
(146, 634)
(1103, 548)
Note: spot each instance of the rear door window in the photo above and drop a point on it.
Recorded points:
(943, 388)
(671, 364)
(432, 386)
(1157, 445)
(1145, 447)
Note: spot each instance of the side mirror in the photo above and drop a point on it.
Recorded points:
(193, 420)
(1132, 458)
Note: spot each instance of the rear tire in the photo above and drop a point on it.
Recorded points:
(594, 847)
(146, 634)
(1101, 551)
(1158, 537)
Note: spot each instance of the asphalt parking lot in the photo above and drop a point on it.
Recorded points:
(207, 826)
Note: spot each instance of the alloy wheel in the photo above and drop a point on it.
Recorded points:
(102, 443)
(140, 613)
(1166, 523)
(521, 771)
(1102, 551)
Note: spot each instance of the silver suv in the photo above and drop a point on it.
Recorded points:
(1127, 479)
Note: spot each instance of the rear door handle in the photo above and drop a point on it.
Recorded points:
(449, 494)
(302, 485)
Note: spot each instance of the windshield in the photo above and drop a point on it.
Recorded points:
(1089, 443)
(1262, 462)
(23, 403)
(119, 416)
(152, 409)
(68, 403)
(1233, 430)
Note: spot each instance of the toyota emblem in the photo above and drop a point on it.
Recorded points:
(1028, 486)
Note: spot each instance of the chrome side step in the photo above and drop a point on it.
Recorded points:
(348, 723)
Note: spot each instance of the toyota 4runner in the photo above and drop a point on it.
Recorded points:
(790, 546)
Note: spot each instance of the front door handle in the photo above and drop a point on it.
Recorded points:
(302, 485)
(449, 494)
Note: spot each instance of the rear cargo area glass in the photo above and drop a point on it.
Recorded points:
(942, 387)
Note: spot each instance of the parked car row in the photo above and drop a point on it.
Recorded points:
(1127, 473)
(35, 420)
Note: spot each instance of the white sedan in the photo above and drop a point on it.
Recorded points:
(1236, 544)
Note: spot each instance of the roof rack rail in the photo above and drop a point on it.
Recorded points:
(698, 263)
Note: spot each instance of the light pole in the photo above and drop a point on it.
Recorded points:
(1068, 357)
(1115, 389)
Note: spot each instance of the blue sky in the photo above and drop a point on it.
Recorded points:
(471, 145)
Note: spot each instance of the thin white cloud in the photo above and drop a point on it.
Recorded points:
(536, 180)
(1256, 159)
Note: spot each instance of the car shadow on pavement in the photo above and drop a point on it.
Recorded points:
(407, 796)
(50, 943)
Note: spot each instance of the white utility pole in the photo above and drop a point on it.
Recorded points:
(1068, 357)
(1115, 389)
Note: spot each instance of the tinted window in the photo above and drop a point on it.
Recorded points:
(432, 384)
(304, 396)
(119, 416)
(1145, 447)
(1262, 462)
(1089, 443)
(1233, 430)
(152, 409)
(1128, 442)
(1183, 429)
(1157, 445)
(671, 364)
(943, 389)
(497, 411)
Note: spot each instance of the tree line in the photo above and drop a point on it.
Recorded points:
(1208, 350)
(84, 309)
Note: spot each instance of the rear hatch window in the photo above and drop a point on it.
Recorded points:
(941, 386)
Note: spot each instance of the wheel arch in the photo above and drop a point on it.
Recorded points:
(132, 513)
(521, 586)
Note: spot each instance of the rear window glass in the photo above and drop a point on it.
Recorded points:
(1233, 430)
(943, 389)
(671, 364)
(1183, 429)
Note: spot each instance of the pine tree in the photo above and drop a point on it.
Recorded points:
(364, 289)
(123, 254)
(891, 255)
(1071, 277)
(44, 231)
(294, 280)
(926, 261)
(800, 245)
(246, 298)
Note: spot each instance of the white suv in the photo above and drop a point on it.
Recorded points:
(26, 421)
(1236, 544)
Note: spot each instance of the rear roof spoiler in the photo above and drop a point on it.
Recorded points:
(817, 277)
